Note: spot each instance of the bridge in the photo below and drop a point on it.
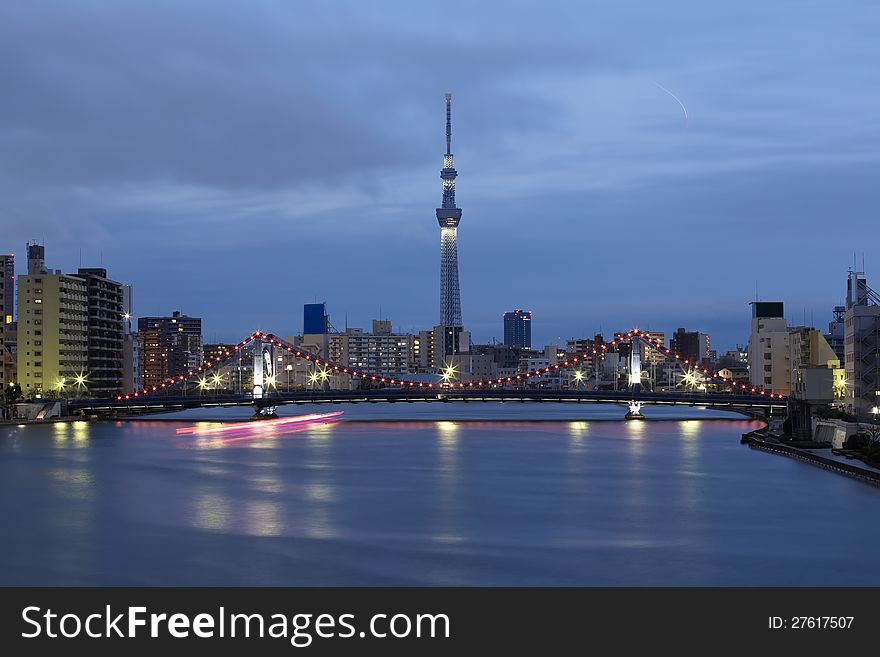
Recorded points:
(188, 391)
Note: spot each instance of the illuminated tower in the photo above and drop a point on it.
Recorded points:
(448, 216)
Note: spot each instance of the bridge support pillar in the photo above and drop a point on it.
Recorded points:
(635, 364)
(635, 411)
(258, 369)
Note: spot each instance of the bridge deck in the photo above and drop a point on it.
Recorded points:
(730, 401)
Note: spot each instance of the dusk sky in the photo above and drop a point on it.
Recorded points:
(234, 160)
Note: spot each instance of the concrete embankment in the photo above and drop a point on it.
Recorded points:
(757, 440)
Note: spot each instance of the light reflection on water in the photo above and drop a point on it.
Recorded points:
(421, 502)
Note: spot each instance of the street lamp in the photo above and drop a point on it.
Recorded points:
(289, 368)
(81, 380)
(448, 373)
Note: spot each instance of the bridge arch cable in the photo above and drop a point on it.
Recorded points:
(174, 385)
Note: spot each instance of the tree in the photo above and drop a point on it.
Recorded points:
(12, 393)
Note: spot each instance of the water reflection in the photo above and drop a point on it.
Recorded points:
(577, 433)
(635, 432)
(76, 434)
(448, 497)
(211, 511)
(263, 518)
(318, 490)
(253, 433)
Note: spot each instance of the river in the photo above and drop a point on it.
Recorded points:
(426, 494)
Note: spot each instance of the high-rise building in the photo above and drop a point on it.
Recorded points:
(316, 329)
(691, 345)
(769, 348)
(518, 328)
(449, 216)
(53, 329)
(315, 319)
(106, 320)
(131, 347)
(7, 302)
(170, 347)
(862, 346)
(649, 355)
(380, 352)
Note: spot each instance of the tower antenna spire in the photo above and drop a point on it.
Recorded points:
(449, 124)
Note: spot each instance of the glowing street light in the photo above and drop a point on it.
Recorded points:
(690, 379)
(448, 373)
(81, 380)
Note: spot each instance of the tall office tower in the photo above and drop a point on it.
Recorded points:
(449, 216)
(518, 328)
(106, 322)
(170, 346)
(7, 301)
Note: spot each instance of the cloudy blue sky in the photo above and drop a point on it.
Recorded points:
(236, 159)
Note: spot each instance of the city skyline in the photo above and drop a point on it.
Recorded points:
(567, 138)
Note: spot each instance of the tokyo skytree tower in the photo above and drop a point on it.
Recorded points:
(449, 216)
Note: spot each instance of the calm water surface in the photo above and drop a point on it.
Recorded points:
(481, 496)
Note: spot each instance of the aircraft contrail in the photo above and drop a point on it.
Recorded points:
(677, 99)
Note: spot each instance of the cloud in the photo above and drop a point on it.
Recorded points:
(286, 149)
